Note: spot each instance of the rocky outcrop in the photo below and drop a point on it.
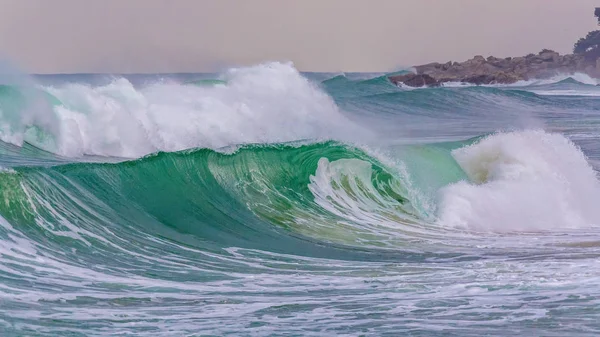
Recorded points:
(493, 70)
(416, 80)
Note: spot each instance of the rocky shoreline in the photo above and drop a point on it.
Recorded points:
(493, 70)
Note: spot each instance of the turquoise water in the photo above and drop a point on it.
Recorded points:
(262, 201)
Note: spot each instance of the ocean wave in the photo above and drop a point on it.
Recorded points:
(329, 192)
(267, 103)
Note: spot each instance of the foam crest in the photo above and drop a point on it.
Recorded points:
(522, 181)
(262, 104)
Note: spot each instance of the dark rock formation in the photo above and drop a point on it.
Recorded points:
(493, 70)
(415, 80)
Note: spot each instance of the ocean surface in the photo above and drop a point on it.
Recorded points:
(262, 201)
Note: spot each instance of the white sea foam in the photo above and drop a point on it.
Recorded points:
(522, 181)
(344, 187)
(260, 104)
(579, 77)
(568, 92)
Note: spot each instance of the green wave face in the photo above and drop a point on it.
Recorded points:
(255, 197)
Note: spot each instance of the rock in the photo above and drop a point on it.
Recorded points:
(505, 78)
(425, 68)
(518, 60)
(566, 60)
(478, 79)
(496, 78)
(536, 59)
(415, 80)
(488, 68)
(480, 70)
(479, 59)
(549, 55)
(446, 65)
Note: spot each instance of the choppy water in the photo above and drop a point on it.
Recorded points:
(262, 202)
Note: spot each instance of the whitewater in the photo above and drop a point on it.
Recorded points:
(264, 201)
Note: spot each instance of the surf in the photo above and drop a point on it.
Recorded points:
(263, 191)
(326, 191)
(521, 181)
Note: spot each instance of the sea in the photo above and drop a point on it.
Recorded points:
(264, 201)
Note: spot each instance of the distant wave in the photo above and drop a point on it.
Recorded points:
(266, 103)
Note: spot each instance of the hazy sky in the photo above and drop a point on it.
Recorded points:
(58, 36)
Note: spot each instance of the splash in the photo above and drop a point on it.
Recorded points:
(267, 103)
(522, 181)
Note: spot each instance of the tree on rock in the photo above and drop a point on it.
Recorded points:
(589, 45)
